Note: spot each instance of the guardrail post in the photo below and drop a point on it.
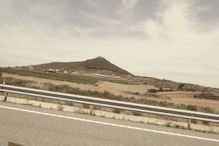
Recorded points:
(91, 109)
(189, 124)
(6, 93)
(6, 96)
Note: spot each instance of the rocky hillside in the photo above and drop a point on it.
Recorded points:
(95, 65)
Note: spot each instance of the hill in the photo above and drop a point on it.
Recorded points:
(100, 76)
(96, 65)
(100, 67)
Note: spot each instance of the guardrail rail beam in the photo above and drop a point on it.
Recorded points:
(93, 101)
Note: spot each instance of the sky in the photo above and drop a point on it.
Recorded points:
(167, 39)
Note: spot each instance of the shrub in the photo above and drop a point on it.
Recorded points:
(193, 121)
(205, 122)
(116, 110)
(136, 93)
(86, 106)
(180, 86)
(165, 104)
(177, 126)
(189, 89)
(207, 110)
(137, 113)
(60, 107)
(192, 107)
(206, 95)
(152, 90)
(168, 124)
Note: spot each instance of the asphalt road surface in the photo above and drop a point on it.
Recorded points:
(33, 126)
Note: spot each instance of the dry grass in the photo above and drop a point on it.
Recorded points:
(125, 90)
(187, 97)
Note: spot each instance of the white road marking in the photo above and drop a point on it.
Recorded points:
(111, 124)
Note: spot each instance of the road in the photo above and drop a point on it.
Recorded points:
(33, 126)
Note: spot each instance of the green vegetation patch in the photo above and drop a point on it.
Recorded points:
(62, 77)
(18, 82)
(54, 76)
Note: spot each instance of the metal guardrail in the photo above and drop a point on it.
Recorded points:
(111, 103)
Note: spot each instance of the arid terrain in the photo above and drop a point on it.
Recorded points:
(126, 90)
(100, 76)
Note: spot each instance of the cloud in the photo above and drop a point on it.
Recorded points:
(206, 12)
(128, 4)
(164, 39)
(186, 51)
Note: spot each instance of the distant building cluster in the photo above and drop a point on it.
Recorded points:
(49, 70)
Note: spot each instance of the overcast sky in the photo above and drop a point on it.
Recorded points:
(168, 39)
